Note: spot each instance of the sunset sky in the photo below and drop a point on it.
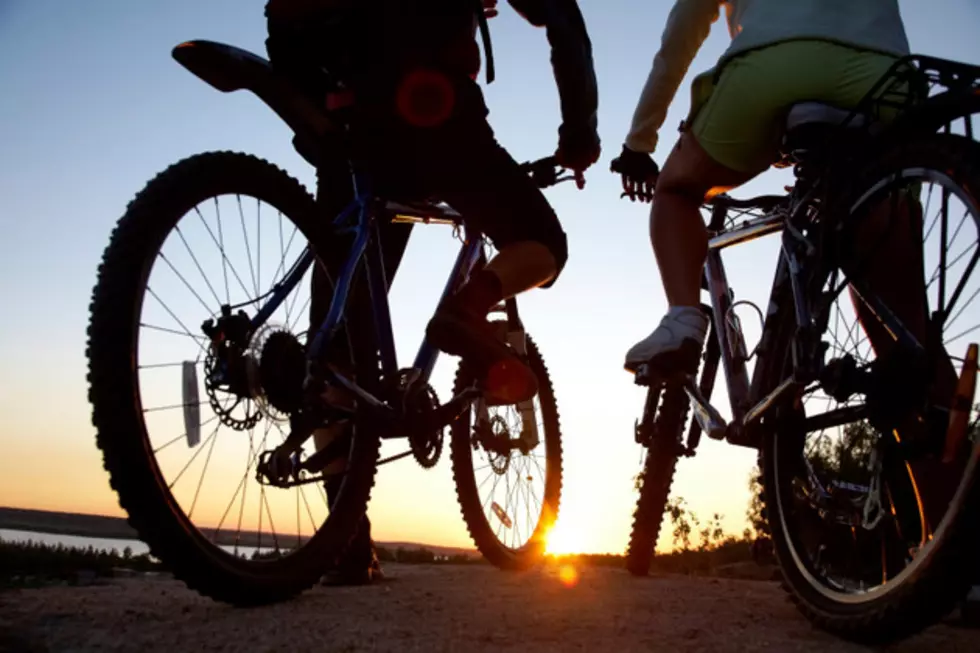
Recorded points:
(91, 110)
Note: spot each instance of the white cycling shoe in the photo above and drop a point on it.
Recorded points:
(675, 345)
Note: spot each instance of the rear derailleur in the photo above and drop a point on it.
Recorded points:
(284, 465)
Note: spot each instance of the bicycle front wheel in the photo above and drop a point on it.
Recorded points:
(507, 465)
(657, 476)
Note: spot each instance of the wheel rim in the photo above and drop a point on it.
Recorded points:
(951, 241)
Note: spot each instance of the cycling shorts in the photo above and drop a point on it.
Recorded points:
(739, 112)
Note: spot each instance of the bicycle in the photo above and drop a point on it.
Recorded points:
(259, 374)
(876, 531)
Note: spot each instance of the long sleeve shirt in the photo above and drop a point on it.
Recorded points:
(874, 25)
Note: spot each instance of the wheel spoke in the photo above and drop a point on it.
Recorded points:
(217, 300)
(226, 264)
(197, 453)
(197, 492)
(207, 309)
(158, 366)
(176, 319)
(181, 436)
(157, 409)
(258, 245)
(248, 248)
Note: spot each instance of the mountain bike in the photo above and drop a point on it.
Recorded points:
(269, 382)
(866, 430)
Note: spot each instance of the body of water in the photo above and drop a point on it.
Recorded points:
(135, 546)
(98, 543)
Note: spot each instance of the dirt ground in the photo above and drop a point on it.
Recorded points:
(429, 608)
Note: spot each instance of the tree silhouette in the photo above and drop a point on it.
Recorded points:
(756, 513)
(846, 458)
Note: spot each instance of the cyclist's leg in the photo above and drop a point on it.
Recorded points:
(734, 137)
(359, 562)
(731, 139)
(471, 171)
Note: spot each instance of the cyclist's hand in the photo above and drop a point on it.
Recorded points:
(639, 172)
(578, 146)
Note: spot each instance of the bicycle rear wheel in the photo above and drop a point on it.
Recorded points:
(874, 526)
(189, 497)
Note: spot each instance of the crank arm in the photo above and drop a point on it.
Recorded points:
(770, 400)
(295, 482)
(448, 412)
(707, 416)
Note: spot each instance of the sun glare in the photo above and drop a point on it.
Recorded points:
(568, 575)
(563, 540)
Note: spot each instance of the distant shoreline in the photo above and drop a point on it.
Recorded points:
(116, 528)
(66, 523)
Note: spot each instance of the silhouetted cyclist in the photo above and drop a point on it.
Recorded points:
(419, 125)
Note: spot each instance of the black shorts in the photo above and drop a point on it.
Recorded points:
(461, 163)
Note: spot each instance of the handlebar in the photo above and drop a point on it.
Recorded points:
(547, 172)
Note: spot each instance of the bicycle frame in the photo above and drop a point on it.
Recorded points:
(360, 218)
(961, 83)
(747, 402)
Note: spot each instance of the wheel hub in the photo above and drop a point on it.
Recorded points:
(494, 437)
(262, 371)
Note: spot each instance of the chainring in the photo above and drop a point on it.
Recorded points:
(426, 445)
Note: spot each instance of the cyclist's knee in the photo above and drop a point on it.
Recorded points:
(557, 244)
(692, 173)
(560, 251)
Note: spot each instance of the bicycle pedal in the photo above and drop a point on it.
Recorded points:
(646, 376)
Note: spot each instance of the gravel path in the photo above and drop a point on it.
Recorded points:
(428, 608)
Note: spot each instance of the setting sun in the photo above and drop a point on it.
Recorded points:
(563, 540)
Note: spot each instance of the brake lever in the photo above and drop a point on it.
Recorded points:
(577, 175)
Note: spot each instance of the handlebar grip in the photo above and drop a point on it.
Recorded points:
(547, 164)
(548, 172)
(542, 172)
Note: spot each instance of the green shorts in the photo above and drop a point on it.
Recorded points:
(739, 116)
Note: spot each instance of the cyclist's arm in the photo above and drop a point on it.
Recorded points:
(571, 56)
(687, 27)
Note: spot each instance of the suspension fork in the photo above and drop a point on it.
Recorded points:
(516, 337)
